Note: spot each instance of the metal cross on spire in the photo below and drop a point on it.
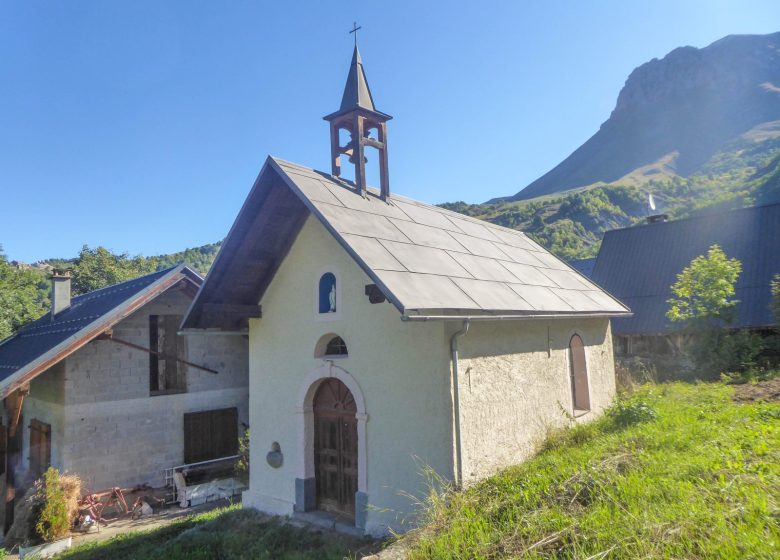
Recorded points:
(355, 28)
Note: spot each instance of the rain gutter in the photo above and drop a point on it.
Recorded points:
(414, 318)
(456, 402)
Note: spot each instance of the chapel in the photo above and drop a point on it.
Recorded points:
(389, 338)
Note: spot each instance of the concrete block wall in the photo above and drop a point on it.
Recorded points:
(514, 386)
(131, 441)
(107, 427)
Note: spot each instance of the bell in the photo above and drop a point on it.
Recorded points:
(353, 158)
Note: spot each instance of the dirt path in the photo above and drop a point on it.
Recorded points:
(767, 391)
(127, 525)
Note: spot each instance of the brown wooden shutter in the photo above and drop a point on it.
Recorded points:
(154, 360)
(210, 434)
(3, 447)
(579, 374)
(40, 447)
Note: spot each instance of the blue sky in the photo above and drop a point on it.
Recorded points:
(141, 125)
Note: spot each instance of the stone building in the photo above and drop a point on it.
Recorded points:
(105, 386)
(388, 336)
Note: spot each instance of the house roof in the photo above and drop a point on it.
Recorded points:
(639, 264)
(584, 266)
(43, 343)
(429, 262)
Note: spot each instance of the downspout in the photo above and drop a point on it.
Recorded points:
(456, 401)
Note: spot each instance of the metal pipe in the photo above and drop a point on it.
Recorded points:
(509, 317)
(188, 332)
(456, 401)
(154, 352)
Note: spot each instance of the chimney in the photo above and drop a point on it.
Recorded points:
(657, 218)
(60, 292)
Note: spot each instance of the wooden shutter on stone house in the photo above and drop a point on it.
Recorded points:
(210, 434)
(3, 447)
(40, 447)
(167, 373)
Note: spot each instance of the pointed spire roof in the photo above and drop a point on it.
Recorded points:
(357, 94)
(356, 90)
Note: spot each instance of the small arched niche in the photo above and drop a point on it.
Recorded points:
(331, 346)
(327, 293)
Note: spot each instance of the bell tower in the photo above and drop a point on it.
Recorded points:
(366, 126)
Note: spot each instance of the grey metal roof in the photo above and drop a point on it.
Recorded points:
(640, 264)
(584, 266)
(42, 343)
(426, 260)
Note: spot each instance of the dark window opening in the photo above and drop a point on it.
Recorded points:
(327, 291)
(211, 434)
(336, 347)
(167, 371)
(579, 374)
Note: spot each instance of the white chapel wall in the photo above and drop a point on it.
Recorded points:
(402, 370)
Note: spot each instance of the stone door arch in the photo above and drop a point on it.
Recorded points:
(305, 483)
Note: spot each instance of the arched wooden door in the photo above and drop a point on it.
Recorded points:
(335, 447)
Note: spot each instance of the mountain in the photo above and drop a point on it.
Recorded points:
(675, 114)
(698, 129)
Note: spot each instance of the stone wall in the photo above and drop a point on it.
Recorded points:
(108, 428)
(44, 403)
(514, 386)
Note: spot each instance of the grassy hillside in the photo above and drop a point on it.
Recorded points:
(572, 224)
(675, 471)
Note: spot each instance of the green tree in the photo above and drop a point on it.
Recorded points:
(97, 268)
(775, 303)
(704, 304)
(705, 288)
(23, 296)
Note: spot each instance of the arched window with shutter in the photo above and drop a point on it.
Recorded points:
(578, 370)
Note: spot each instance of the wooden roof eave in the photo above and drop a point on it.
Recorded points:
(192, 311)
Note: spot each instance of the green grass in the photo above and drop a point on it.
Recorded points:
(675, 471)
(225, 534)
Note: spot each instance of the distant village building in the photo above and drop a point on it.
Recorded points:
(639, 265)
(387, 335)
(104, 386)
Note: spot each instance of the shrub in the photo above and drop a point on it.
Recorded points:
(714, 351)
(242, 463)
(53, 519)
(626, 412)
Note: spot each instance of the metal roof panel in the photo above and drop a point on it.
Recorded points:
(347, 220)
(373, 253)
(427, 235)
(417, 258)
(426, 291)
(493, 296)
(542, 298)
(528, 274)
(483, 268)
